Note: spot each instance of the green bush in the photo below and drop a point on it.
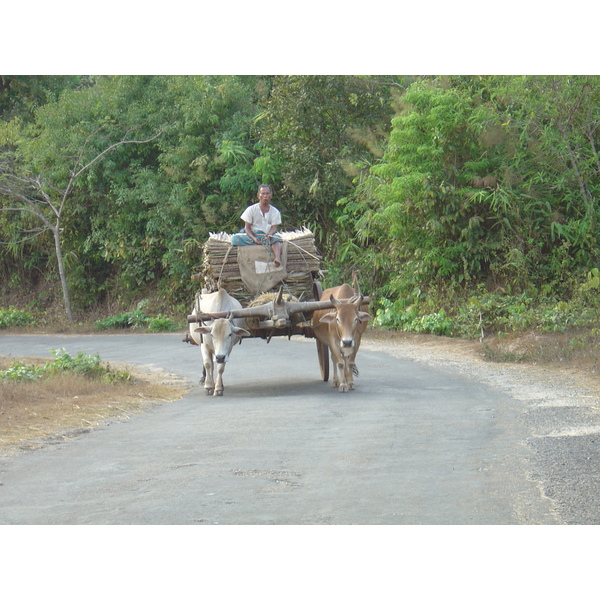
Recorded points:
(434, 323)
(488, 313)
(83, 364)
(13, 317)
(410, 320)
(135, 318)
(19, 371)
(138, 318)
(161, 323)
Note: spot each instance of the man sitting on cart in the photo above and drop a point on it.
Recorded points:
(260, 224)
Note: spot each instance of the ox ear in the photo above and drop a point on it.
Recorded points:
(203, 329)
(328, 318)
(363, 316)
(241, 332)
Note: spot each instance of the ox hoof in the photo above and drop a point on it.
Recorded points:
(218, 392)
(343, 388)
(209, 392)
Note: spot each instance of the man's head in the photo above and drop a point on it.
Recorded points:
(265, 193)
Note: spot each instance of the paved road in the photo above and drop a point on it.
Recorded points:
(410, 445)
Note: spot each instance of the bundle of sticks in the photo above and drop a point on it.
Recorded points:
(220, 267)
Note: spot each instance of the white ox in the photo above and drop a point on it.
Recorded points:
(341, 330)
(217, 338)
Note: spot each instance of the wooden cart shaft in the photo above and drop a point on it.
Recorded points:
(278, 313)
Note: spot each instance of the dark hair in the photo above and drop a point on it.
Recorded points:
(263, 185)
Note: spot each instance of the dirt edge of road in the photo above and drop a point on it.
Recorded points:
(57, 414)
(467, 357)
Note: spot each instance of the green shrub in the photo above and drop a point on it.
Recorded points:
(19, 371)
(410, 320)
(135, 318)
(488, 313)
(138, 318)
(83, 364)
(114, 322)
(161, 323)
(391, 316)
(434, 323)
(13, 317)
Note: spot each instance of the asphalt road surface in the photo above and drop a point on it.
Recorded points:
(411, 445)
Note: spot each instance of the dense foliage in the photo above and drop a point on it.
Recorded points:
(436, 190)
(488, 182)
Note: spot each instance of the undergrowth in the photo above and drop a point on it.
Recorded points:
(513, 327)
(570, 325)
(14, 317)
(83, 364)
(479, 314)
(136, 319)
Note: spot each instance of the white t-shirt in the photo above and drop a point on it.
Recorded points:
(260, 222)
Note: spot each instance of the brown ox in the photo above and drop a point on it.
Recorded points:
(341, 330)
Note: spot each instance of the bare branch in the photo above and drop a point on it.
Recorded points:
(112, 147)
(46, 197)
(30, 206)
(35, 232)
(83, 149)
(75, 174)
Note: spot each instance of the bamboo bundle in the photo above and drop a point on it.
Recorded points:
(220, 265)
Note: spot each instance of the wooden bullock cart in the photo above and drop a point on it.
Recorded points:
(275, 301)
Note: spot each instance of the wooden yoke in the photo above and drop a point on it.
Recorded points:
(276, 313)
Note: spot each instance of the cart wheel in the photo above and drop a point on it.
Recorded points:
(317, 290)
(323, 352)
(322, 349)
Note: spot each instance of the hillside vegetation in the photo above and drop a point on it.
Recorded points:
(467, 205)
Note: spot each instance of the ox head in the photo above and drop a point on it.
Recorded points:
(348, 320)
(224, 335)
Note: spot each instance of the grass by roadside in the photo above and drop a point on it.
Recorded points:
(68, 403)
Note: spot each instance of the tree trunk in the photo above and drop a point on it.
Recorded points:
(61, 271)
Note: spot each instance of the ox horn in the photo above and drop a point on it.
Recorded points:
(279, 298)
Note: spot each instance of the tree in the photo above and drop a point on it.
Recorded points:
(485, 181)
(558, 120)
(160, 202)
(35, 195)
(417, 204)
(322, 132)
(20, 95)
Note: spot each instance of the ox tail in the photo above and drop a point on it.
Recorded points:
(355, 370)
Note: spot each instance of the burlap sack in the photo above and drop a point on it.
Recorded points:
(257, 270)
